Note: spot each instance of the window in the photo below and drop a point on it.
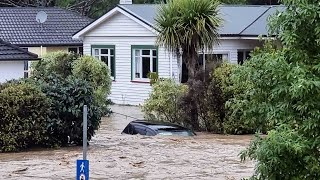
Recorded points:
(25, 66)
(106, 54)
(25, 69)
(144, 61)
(76, 50)
(213, 57)
(243, 55)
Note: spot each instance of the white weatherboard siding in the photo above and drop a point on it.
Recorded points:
(120, 25)
(231, 46)
(124, 91)
(11, 70)
(122, 32)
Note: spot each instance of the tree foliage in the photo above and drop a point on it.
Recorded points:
(285, 92)
(191, 25)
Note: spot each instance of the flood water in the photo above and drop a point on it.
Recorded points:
(116, 156)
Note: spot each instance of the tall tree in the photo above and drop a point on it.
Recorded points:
(191, 25)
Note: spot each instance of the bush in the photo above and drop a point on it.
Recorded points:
(96, 73)
(68, 97)
(228, 80)
(63, 65)
(162, 103)
(24, 111)
(93, 71)
(284, 150)
(46, 109)
(222, 76)
(54, 63)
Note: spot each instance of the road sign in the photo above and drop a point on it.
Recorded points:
(82, 170)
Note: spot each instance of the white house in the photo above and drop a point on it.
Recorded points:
(125, 38)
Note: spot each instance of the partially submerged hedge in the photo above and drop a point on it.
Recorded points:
(46, 109)
(24, 115)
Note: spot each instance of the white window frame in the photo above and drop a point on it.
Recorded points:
(99, 55)
(140, 66)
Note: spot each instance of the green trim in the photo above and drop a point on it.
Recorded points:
(114, 56)
(102, 46)
(132, 62)
(157, 60)
(144, 47)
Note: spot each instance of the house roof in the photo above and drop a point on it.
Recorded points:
(239, 20)
(10, 52)
(18, 26)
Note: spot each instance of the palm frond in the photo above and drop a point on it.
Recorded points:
(190, 24)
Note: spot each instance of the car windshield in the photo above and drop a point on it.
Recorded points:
(170, 132)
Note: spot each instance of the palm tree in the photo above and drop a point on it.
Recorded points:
(191, 25)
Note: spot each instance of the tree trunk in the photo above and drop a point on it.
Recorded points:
(190, 57)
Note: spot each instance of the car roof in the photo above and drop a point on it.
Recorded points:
(157, 125)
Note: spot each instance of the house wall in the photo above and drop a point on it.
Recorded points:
(231, 46)
(55, 49)
(11, 70)
(125, 91)
(123, 32)
(45, 50)
(38, 50)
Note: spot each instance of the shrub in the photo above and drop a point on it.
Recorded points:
(154, 77)
(162, 102)
(54, 63)
(284, 150)
(63, 65)
(68, 97)
(97, 74)
(203, 105)
(222, 76)
(94, 71)
(228, 80)
(24, 111)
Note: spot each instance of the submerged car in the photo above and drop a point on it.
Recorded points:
(149, 128)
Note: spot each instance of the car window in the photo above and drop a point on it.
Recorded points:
(175, 132)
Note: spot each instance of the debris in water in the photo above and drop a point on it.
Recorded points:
(138, 164)
(20, 170)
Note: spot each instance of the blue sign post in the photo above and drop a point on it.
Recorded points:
(82, 170)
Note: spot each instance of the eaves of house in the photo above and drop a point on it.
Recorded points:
(10, 52)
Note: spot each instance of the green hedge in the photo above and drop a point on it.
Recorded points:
(68, 97)
(24, 111)
(46, 109)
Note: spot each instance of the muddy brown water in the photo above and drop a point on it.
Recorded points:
(116, 156)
